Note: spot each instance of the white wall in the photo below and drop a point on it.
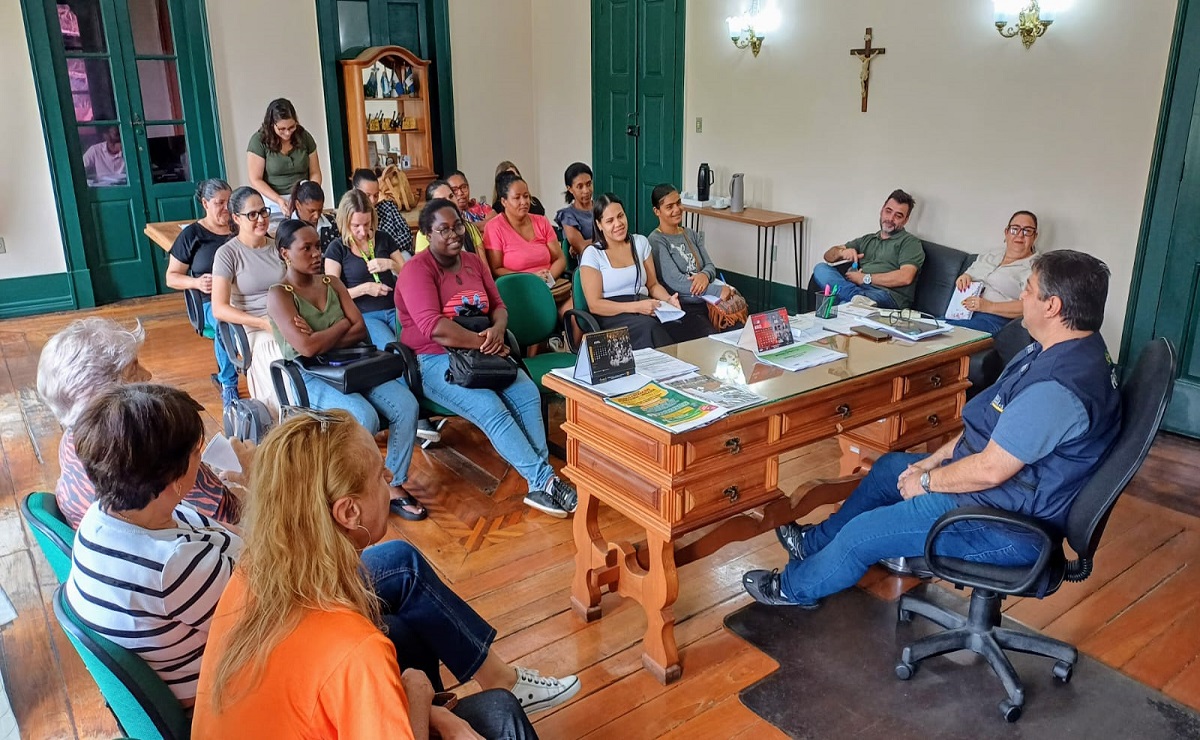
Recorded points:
(562, 82)
(491, 48)
(973, 125)
(261, 52)
(28, 216)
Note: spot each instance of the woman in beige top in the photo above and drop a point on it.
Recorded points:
(1002, 274)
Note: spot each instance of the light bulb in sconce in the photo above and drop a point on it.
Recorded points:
(1028, 19)
(750, 28)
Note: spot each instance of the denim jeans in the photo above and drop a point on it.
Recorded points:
(381, 327)
(391, 400)
(496, 715)
(226, 372)
(828, 276)
(989, 322)
(511, 418)
(876, 522)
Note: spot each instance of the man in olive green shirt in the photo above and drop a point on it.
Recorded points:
(884, 265)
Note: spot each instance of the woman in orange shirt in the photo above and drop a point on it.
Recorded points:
(295, 646)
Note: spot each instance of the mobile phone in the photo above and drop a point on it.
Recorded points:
(875, 335)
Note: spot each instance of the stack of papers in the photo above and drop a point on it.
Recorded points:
(659, 365)
(717, 392)
(666, 312)
(800, 356)
(609, 388)
(667, 408)
(910, 329)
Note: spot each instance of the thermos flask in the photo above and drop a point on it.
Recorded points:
(737, 193)
(703, 181)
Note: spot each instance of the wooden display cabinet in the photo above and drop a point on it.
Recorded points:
(416, 142)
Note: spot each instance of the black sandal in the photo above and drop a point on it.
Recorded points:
(397, 505)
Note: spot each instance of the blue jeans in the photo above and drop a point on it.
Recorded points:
(876, 522)
(828, 276)
(381, 327)
(226, 372)
(391, 400)
(511, 418)
(989, 322)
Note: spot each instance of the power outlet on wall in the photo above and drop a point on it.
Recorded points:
(699, 125)
(2, 245)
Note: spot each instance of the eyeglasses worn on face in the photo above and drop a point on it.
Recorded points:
(1022, 230)
(460, 188)
(261, 213)
(458, 227)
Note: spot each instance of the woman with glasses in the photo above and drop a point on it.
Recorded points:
(1002, 274)
(191, 266)
(473, 240)
(312, 313)
(433, 287)
(280, 154)
(367, 260)
(318, 623)
(473, 211)
(244, 269)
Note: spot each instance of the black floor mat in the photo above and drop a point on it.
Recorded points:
(836, 680)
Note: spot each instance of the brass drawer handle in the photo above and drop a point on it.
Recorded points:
(933, 420)
(731, 493)
(734, 445)
(935, 380)
(843, 411)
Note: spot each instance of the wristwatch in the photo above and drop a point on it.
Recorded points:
(867, 279)
(925, 482)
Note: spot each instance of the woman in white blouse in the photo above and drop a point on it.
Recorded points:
(619, 282)
(1002, 273)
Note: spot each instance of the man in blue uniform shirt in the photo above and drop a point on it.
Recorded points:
(1029, 444)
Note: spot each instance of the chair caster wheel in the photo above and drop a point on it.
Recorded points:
(904, 616)
(1063, 671)
(905, 671)
(1011, 712)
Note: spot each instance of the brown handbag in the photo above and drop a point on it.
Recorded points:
(724, 314)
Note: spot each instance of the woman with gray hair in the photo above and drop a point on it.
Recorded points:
(77, 364)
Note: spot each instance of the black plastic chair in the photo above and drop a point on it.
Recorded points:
(1144, 397)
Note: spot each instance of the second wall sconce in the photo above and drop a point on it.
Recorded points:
(1027, 20)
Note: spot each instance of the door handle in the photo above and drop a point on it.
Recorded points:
(633, 130)
(137, 120)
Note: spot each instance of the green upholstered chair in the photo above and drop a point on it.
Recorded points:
(578, 317)
(51, 530)
(413, 378)
(144, 706)
(532, 319)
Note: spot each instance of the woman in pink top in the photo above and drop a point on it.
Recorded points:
(518, 241)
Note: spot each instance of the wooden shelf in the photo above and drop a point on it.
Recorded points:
(417, 144)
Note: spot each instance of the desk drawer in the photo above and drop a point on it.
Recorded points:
(930, 420)
(729, 491)
(822, 419)
(727, 444)
(931, 380)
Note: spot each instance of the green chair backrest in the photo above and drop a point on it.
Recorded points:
(51, 530)
(580, 300)
(532, 314)
(143, 705)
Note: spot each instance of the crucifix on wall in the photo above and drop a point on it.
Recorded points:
(866, 54)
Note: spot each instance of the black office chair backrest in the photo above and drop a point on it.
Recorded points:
(1144, 397)
(935, 281)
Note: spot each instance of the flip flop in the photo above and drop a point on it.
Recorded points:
(406, 499)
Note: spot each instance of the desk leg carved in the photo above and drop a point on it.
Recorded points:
(591, 557)
(660, 588)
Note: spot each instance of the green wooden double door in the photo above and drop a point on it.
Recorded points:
(637, 101)
(1165, 295)
(125, 88)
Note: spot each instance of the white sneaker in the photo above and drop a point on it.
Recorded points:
(427, 432)
(538, 693)
(862, 300)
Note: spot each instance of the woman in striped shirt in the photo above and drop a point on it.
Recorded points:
(78, 363)
(147, 570)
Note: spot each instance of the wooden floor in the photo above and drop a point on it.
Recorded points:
(1138, 612)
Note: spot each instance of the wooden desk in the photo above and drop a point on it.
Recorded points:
(727, 474)
(164, 233)
(765, 223)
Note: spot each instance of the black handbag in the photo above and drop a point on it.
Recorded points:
(471, 368)
(354, 369)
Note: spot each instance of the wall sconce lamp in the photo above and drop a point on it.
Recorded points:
(1029, 21)
(751, 27)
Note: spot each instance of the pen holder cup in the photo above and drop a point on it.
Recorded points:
(826, 305)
